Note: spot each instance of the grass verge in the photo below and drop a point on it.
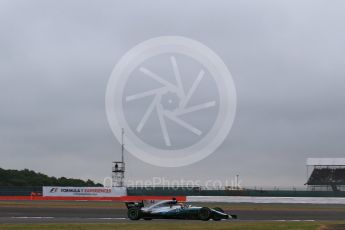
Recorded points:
(177, 225)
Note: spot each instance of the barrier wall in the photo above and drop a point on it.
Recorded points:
(120, 199)
(181, 191)
(49, 191)
(187, 191)
(19, 190)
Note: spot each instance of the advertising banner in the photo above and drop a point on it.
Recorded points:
(84, 191)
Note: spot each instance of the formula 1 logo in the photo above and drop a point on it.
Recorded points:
(53, 190)
(174, 97)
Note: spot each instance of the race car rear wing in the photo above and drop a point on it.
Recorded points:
(135, 204)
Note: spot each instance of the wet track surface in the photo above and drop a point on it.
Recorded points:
(108, 215)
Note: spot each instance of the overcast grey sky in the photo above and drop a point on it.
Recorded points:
(286, 58)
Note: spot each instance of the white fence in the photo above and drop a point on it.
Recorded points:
(265, 200)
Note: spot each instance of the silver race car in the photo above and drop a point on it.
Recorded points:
(171, 209)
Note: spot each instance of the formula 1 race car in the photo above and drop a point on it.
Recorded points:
(171, 209)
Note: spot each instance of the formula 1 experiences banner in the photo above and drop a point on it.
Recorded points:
(84, 191)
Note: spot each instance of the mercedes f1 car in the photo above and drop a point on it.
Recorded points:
(171, 209)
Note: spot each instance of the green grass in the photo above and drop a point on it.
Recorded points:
(173, 226)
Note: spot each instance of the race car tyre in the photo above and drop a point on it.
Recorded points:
(216, 217)
(133, 214)
(204, 214)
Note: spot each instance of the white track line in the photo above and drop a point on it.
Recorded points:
(294, 220)
(32, 217)
(50, 217)
(108, 218)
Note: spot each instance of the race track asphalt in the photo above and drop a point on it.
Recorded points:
(13, 214)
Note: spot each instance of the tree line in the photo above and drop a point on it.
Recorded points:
(28, 177)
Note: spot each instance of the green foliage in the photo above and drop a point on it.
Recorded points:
(28, 177)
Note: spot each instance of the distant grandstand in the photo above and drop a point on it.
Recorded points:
(328, 174)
